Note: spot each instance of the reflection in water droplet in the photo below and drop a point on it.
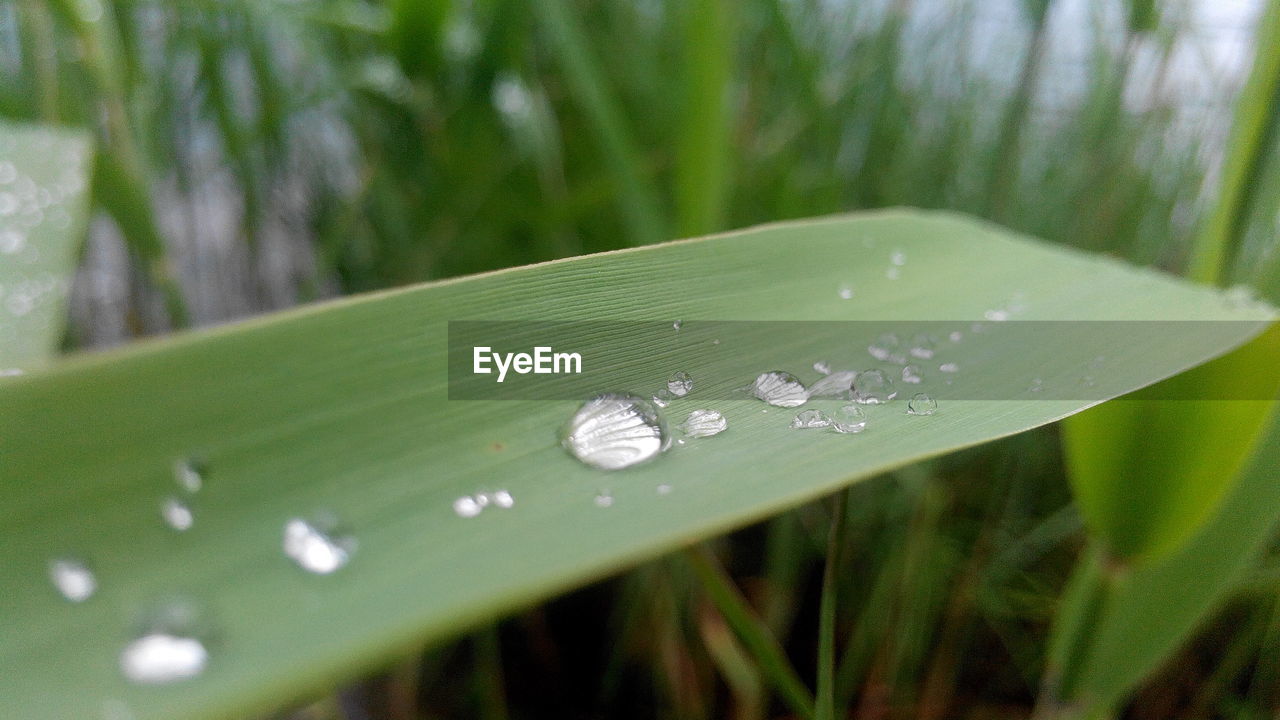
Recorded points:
(315, 546)
(921, 404)
(835, 384)
(177, 514)
(73, 579)
(822, 367)
(780, 389)
(873, 387)
(604, 499)
(615, 430)
(704, 423)
(189, 474)
(849, 419)
(810, 420)
(679, 384)
(845, 292)
(911, 375)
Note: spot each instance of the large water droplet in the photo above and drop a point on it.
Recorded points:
(873, 387)
(679, 384)
(704, 423)
(612, 431)
(921, 404)
(810, 420)
(835, 384)
(73, 579)
(779, 388)
(849, 419)
(168, 650)
(315, 546)
(177, 514)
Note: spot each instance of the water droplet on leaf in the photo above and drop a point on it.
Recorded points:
(873, 387)
(780, 389)
(849, 419)
(680, 384)
(704, 423)
(73, 579)
(615, 430)
(922, 404)
(810, 420)
(316, 546)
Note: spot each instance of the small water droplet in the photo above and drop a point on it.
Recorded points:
(849, 420)
(1088, 381)
(921, 404)
(12, 242)
(873, 387)
(845, 292)
(677, 325)
(822, 367)
(168, 650)
(716, 341)
(177, 514)
(780, 389)
(189, 474)
(835, 384)
(810, 420)
(898, 257)
(955, 336)
(704, 423)
(467, 507)
(679, 384)
(10, 372)
(884, 347)
(949, 367)
(664, 489)
(996, 315)
(663, 398)
(73, 579)
(922, 346)
(604, 499)
(1036, 385)
(612, 431)
(893, 272)
(1098, 361)
(8, 173)
(911, 375)
(316, 546)
(503, 499)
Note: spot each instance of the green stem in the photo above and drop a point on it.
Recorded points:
(825, 706)
(1247, 150)
(751, 631)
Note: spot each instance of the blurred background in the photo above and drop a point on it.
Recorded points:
(258, 154)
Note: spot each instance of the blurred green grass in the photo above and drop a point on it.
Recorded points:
(431, 139)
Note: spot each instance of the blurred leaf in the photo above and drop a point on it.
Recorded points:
(344, 408)
(707, 115)
(1148, 472)
(44, 181)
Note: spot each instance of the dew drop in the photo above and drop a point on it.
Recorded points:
(849, 419)
(503, 499)
(612, 431)
(822, 367)
(921, 404)
(911, 375)
(704, 423)
(73, 579)
(663, 398)
(873, 387)
(780, 389)
(949, 367)
(810, 420)
(467, 507)
(177, 514)
(315, 546)
(189, 474)
(679, 384)
(835, 384)
(845, 292)
(604, 499)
